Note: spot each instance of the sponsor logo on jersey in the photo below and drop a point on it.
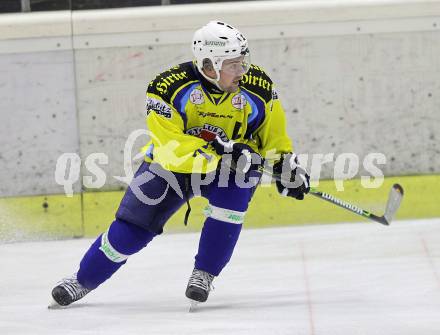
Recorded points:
(251, 79)
(196, 97)
(239, 101)
(165, 81)
(215, 43)
(220, 116)
(208, 132)
(274, 94)
(159, 107)
(256, 79)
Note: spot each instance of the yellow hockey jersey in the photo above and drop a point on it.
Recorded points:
(184, 111)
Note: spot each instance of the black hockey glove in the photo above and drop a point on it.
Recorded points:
(244, 157)
(295, 180)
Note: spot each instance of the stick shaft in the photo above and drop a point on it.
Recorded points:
(345, 205)
(338, 202)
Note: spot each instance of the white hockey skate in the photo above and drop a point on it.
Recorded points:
(67, 291)
(199, 286)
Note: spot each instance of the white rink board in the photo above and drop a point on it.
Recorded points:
(345, 279)
(355, 76)
(38, 112)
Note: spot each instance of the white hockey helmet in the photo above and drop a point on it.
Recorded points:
(218, 41)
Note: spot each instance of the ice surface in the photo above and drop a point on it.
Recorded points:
(334, 279)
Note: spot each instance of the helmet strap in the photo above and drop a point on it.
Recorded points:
(212, 80)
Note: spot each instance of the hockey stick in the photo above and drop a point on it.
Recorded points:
(393, 203)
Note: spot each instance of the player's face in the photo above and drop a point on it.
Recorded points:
(231, 73)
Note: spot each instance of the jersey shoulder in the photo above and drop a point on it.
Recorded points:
(258, 82)
(167, 83)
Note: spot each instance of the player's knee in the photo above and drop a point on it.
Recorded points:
(224, 214)
(123, 239)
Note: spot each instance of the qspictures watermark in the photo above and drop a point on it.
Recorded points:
(345, 166)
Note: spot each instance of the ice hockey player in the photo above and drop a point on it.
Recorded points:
(218, 107)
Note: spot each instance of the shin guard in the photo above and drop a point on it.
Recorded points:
(217, 243)
(110, 251)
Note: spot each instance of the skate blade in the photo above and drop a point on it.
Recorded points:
(54, 305)
(193, 305)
